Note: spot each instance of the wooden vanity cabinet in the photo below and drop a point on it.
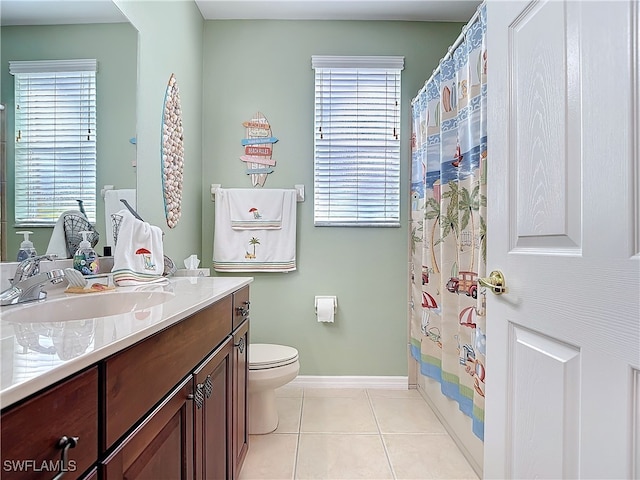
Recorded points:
(240, 404)
(240, 392)
(32, 430)
(201, 348)
(139, 377)
(172, 406)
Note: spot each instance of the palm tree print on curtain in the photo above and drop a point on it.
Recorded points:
(448, 215)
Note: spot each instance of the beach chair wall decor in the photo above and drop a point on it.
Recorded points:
(258, 149)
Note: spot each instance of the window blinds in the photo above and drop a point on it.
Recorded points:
(55, 139)
(357, 141)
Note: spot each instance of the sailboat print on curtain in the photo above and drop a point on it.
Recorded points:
(449, 154)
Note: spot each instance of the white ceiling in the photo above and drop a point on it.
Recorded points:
(416, 10)
(59, 12)
(42, 12)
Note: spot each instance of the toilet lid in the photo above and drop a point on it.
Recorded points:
(265, 355)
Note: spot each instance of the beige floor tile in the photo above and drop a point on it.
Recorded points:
(405, 415)
(335, 392)
(337, 415)
(289, 411)
(426, 456)
(341, 438)
(270, 457)
(393, 393)
(335, 457)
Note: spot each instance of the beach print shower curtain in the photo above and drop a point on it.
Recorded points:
(448, 224)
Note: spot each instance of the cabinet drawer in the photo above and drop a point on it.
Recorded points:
(161, 447)
(240, 307)
(139, 377)
(31, 431)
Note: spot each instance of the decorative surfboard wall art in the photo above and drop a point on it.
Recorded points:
(258, 149)
(172, 153)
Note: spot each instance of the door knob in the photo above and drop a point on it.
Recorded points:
(495, 282)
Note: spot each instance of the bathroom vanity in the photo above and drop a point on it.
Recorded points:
(157, 392)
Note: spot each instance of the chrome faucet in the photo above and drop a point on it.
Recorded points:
(30, 267)
(27, 284)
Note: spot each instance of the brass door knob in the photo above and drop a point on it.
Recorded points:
(495, 282)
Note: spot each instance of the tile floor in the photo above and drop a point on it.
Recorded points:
(366, 434)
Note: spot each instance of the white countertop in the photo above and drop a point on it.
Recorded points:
(35, 355)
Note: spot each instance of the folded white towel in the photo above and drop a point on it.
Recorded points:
(138, 257)
(269, 249)
(112, 204)
(255, 209)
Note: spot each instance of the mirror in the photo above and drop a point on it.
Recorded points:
(56, 30)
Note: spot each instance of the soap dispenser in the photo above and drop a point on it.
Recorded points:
(85, 259)
(26, 247)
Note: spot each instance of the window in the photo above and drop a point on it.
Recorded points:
(55, 139)
(357, 141)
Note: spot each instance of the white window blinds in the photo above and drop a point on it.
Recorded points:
(55, 139)
(357, 141)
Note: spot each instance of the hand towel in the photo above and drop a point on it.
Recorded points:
(255, 209)
(58, 242)
(112, 204)
(250, 249)
(138, 257)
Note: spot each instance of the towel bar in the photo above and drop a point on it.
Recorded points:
(299, 189)
(104, 189)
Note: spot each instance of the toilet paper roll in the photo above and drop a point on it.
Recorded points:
(325, 309)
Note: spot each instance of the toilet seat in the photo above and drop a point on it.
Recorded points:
(263, 356)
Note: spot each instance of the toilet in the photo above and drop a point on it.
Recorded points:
(270, 366)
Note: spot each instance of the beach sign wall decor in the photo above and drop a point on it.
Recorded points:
(258, 149)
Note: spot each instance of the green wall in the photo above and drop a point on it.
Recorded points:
(226, 71)
(115, 48)
(170, 41)
(265, 66)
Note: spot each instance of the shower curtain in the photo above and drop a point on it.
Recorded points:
(448, 224)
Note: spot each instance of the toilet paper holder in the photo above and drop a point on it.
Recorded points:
(328, 297)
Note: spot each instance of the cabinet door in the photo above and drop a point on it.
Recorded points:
(161, 447)
(212, 415)
(159, 363)
(33, 432)
(240, 433)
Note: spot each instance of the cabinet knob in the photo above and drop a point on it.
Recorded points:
(208, 387)
(240, 344)
(203, 390)
(198, 396)
(243, 310)
(65, 443)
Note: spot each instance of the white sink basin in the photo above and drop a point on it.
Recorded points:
(84, 306)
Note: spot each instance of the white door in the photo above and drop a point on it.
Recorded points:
(563, 344)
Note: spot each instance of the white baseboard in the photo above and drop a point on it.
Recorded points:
(346, 381)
